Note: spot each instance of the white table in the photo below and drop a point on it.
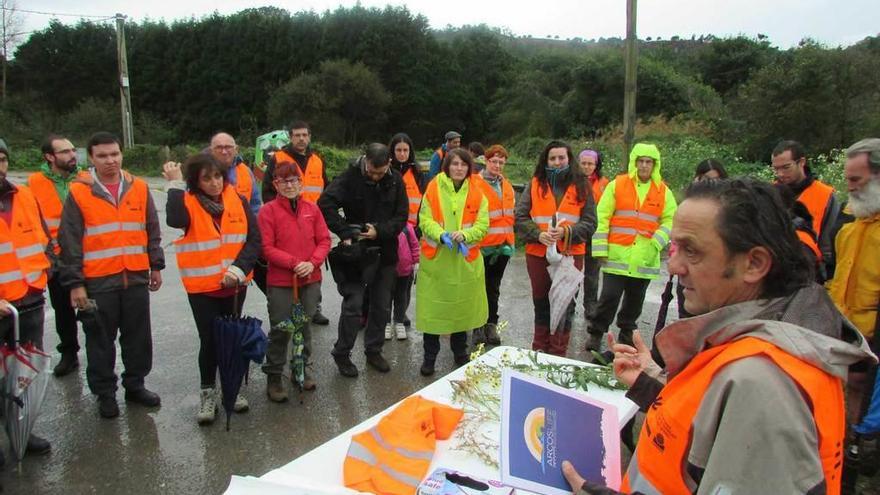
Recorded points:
(320, 470)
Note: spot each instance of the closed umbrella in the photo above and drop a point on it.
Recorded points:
(567, 280)
(25, 378)
(238, 340)
(296, 325)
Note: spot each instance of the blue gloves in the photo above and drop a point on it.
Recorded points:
(463, 249)
(446, 239)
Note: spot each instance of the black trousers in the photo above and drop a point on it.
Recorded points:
(400, 298)
(124, 312)
(379, 312)
(494, 274)
(431, 345)
(261, 269)
(65, 318)
(591, 286)
(632, 290)
(205, 310)
(30, 323)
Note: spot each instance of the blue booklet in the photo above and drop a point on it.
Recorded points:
(543, 424)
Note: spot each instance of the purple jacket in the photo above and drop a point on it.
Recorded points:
(407, 251)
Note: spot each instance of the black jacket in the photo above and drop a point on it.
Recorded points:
(268, 189)
(383, 204)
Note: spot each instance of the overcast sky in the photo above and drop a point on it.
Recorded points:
(786, 22)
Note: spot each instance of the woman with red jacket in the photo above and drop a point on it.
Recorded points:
(295, 243)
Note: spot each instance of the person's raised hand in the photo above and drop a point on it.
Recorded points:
(630, 361)
(575, 480)
(172, 171)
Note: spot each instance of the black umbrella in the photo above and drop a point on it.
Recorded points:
(238, 339)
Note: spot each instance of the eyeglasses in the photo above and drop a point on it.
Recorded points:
(290, 181)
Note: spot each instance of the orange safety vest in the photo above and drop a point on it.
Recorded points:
(115, 237)
(312, 176)
(807, 240)
(244, 184)
(500, 212)
(543, 209)
(598, 188)
(414, 196)
(468, 217)
(393, 457)
(204, 253)
(816, 198)
(630, 218)
(660, 461)
(50, 203)
(23, 261)
(441, 153)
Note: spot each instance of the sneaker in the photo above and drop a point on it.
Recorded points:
(241, 404)
(490, 333)
(68, 363)
(275, 389)
(378, 362)
(207, 407)
(346, 367)
(320, 319)
(143, 397)
(427, 368)
(400, 330)
(388, 331)
(37, 446)
(107, 406)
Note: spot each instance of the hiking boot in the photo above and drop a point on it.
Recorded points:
(462, 360)
(207, 407)
(143, 397)
(491, 334)
(427, 368)
(68, 363)
(388, 331)
(320, 319)
(400, 331)
(275, 389)
(625, 337)
(346, 367)
(37, 446)
(378, 362)
(478, 337)
(594, 342)
(308, 382)
(107, 406)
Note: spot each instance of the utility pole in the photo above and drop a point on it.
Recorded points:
(124, 88)
(629, 86)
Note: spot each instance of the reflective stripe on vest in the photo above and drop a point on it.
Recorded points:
(631, 219)
(501, 218)
(312, 176)
(544, 209)
(204, 253)
(816, 198)
(23, 261)
(114, 237)
(46, 194)
(660, 461)
(468, 217)
(413, 195)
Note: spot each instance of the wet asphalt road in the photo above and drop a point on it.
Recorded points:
(164, 451)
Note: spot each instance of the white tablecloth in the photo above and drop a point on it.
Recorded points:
(320, 470)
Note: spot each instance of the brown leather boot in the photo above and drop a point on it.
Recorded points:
(275, 389)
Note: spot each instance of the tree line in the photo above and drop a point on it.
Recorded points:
(360, 74)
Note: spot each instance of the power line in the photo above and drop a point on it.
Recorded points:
(12, 9)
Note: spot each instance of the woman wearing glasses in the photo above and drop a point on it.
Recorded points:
(218, 226)
(295, 243)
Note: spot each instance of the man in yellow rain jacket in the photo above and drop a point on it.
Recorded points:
(635, 219)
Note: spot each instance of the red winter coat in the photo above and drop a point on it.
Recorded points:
(290, 237)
